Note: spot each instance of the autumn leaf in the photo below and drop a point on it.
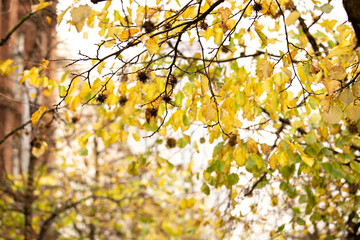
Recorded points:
(239, 155)
(266, 69)
(353, 111)
(41, 5)
(333, 114)
(79, 14)
(209, 112)
(331, 85)
(152, 46)
(126, 34)
(346, 97)
(356, 89)
(39, 148)
(204, 84)
(308, 160)
(44, 65)
(291, 19)
(35, 117)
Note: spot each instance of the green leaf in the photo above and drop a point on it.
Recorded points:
(355, 166)
(326, 8)
(182, 142)
(218, 147)
(337, 174)
(83, 152)
(327, 167)
(219, 166)
(205, 189)
(280, 228)
(231, 179)
(262, 37)
(257, 159)
(186, 120)
(301, 221)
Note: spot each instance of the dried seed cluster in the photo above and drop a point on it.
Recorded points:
(171, 142)
(101, 97)
(166, 98)
(257, 7)
(149, 113)
(167, 25)
(232, 140)
(173, 80)
(203, 25)
(143, 76)
(148, 26)
(123, 100)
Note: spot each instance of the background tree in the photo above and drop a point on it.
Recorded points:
(274, 83)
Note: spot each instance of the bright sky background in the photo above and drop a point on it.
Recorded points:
(73, 42)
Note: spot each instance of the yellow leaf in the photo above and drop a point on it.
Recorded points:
(187, 203)
(308, 160)
(5, 68)
(218, 35)
(356, 89)
(80, 13)
(346, 97)
(35, 117)
(84, 139)
(42, 4)
(273, 162)
(353, 111)
(239, 155)
(152, 46)
(262, 37)
(333, 115)
(224, 13)
(100, 66)
(257, 159)
(291, 19)
(204, 84)
(39, 150)
(266, 69)
(287, 72)
(44, 65)
(325, 103)
(75, 103)
(337, 73)
(4, 65)
(282, 159)
(252, 146)
(331, 85)
(209, 112)
(125, 35)
(61, 15)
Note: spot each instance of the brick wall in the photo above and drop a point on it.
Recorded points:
(34, 40)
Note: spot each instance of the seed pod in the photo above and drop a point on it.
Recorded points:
(101, 98)
(142, 76)
(171, 142)
(148, 26)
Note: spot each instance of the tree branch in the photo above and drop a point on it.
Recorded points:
(22, 20)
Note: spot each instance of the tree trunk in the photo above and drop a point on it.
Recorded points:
(352, 8)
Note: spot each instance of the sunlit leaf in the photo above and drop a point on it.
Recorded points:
(35, 117)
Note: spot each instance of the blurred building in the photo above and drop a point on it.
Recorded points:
(34, 40)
